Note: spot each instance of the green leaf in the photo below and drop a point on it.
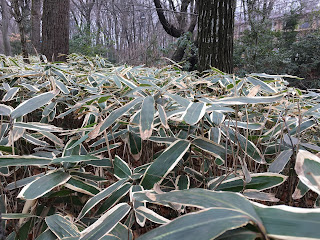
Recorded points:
(13, 160)
(91, 203)
(114, 198)
(141, 219)
(146, 117)
(281, 161)
(135, 145)
(284, 222)
(194, 113)
(182, 182)
(61, 227)
(308, 170)
(122, 232)
(5, 110)
(210, 147)
(163, 116)
(22, 182)
(36, 126)
(88, 176)
(47, 235)
(161, 167)
(106, 222)
(33, 103)
(121, 168)
(247, 100)
(81, 186)
(264, 86)
(43, 185)
(74, 159)
(151, 215)
(259, 181)
(8, 216)
(205, 224)
(116, 114)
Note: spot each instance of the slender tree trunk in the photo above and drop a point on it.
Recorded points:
(215, 34)
(19, 19)
(5, 27)
(35, 24)
(55, 29)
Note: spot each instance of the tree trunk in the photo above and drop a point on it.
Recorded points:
(35, 24)
(55, 29)
(5, 26)
(19, 19)
(215, 34)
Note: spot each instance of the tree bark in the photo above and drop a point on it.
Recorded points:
(5, 27)
(19, 19)
(215, 34)
(55, 29)
(35, 24)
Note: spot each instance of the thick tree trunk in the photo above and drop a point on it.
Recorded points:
(215, 34)
(5, 26)
(19, 19)
(35, 24)
(55, 29)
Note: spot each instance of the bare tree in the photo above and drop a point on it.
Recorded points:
(5, 27)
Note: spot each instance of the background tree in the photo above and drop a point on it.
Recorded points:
(35, 24)
(55, 29)
(215, 34)
(5, 26)
(20, 12)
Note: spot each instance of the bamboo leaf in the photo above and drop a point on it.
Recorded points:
(146, 117)
(121, 168)
(160, 168)
(61, 227)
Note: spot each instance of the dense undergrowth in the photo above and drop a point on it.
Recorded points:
(90, 150)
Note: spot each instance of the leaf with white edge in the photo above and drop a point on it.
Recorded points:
(264, 86)
(110, 237)
(81, 186)
(47, 235)
(62, 87)
(182, 101)
(8, 216)
(210, 147)
(300, 191)
(161, 167)
(5, 110)
(199, 225)
(182, 182)
(10, 94)
(163, 116)
(141, 219)
(135, 145)
(259, 181)
(43, 185)
(308, 170)
(61, 227)
(151, 215)
(92, 202)
(30, 87)
(244, 125)
(74, 159)
(261, 196)
(106, 222)
(249, 148)
(35, 126)
(146, 117)
(34, 141)
(115, 197)
(22, 182)
(281, 161)
(201, 198)
(32, 104)
(247, 100)
(194, 113)
(284, 222)
(217, 117)
(115, 115)
(14, 160)
(121, 168)
(122, 232)
(88, 176)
